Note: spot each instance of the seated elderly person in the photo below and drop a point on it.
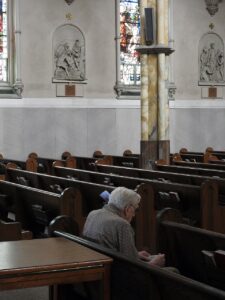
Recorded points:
(110, 226)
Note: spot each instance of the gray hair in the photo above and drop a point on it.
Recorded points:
(122, 197)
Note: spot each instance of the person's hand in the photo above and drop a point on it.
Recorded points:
(144, 255)
(158, 260)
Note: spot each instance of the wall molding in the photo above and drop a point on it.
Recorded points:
(197, 104)
(69, 102)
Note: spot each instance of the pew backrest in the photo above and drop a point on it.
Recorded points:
(34, 208)
(144, 223)
(184, 196)
(183, 246)
(135, 280)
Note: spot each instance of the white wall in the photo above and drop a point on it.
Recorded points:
(49, 125)
(52, 126)
(39, 19)
(191, 22)
(197, 124)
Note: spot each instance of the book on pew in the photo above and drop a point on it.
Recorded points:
(105, 196)
(209, 258)
(220, 258)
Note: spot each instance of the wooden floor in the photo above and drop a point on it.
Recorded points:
(40, 293)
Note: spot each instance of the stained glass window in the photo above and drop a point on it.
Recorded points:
(3, 41)
(129, 39)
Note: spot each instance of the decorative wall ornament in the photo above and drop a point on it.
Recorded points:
(69, 16)
(171, 91)
(212, 6)
(211, 60)
(69, 1)
(211, 26)
(18, 88)
(68, 54)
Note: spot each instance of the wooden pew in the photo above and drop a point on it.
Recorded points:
(136, 280)
(161, 172)
(218, 153)
(38, 164)
(155, 195)
(185, 150)
(126, 160)
(144, 223)
(34, 208)
(217, 162)
(188, 248)
(12, 231)
(127, 152)
(189, 170)
(44, 164)
(89, 192)
(215, 165)
(189, 196)
(29, 164)
(85, 162)
(165, 173)
(188, 157)
(210, 208)
(207, 157)
(150, 174)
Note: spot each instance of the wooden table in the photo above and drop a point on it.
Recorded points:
(51, 261)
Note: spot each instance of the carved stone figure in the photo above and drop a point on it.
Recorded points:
(68, 54)
(63, 60)
(76, 52)
(68, 61)
(212, 64)
(203, 63)
(220, 66)
(211, 60)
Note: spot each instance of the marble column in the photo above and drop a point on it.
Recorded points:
(154, 100)
(163, 103)
(149, 90)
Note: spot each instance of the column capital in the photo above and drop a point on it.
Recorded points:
(154, 49)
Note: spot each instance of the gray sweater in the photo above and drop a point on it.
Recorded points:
(106, 227)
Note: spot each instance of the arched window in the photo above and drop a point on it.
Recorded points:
(128, 37)
(10, 82)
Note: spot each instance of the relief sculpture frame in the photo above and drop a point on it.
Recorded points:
(211, 60)
(68, 54)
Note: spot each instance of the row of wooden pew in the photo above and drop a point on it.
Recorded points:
(134, 280)
(159, 189)
(171, 192)
(209, 156)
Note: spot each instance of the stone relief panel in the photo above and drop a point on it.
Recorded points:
(211, 60)
(68, 54)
